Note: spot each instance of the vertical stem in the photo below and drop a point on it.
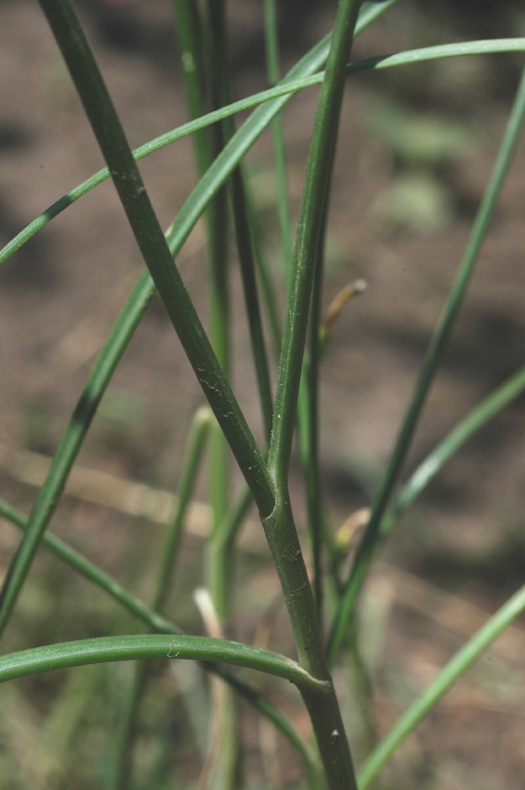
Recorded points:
(323, 708)
(283, 204)
(307, 241)
(311, 458)
(195, 48)
(268, 486)
(198, 44)
(280, 528)
(219, 68)
(265, 277)
(168, 558)
(309, 394)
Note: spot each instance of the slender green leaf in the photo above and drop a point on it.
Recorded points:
(198, 434)
(90, 571)
(440, 336)
(458, 665)
(168, 559)
(71, 442)
(151, 618)
(243, 233)
(283, 203)
(287, 88)
(437, 459)
(307, 243)
(128, 648)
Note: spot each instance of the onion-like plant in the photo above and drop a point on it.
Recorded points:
(321, 609)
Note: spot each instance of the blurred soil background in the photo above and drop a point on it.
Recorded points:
(415, 152)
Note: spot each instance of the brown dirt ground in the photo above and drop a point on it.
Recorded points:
(62, 292)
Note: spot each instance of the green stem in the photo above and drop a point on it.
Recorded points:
(197, 435)
(455, 668)
(143, 612)
(219, 64)
(287, 88)
(195, 52)
(430, 467)
(225, 758)
(285, 546)
(279, 153)
(323, 708)
(155, 250)
(265, 278)
(309, 391)
(196, 56)
(307, 406)
(71, 442)
(188, 29)
(307, 241)
(207, 146)
(139, 646)
(441, 334)
(93, 573)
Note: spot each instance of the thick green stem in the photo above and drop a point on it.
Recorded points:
(130, 316)
(269, 489)
(280, 527)
(323, 708)
(156, 253)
